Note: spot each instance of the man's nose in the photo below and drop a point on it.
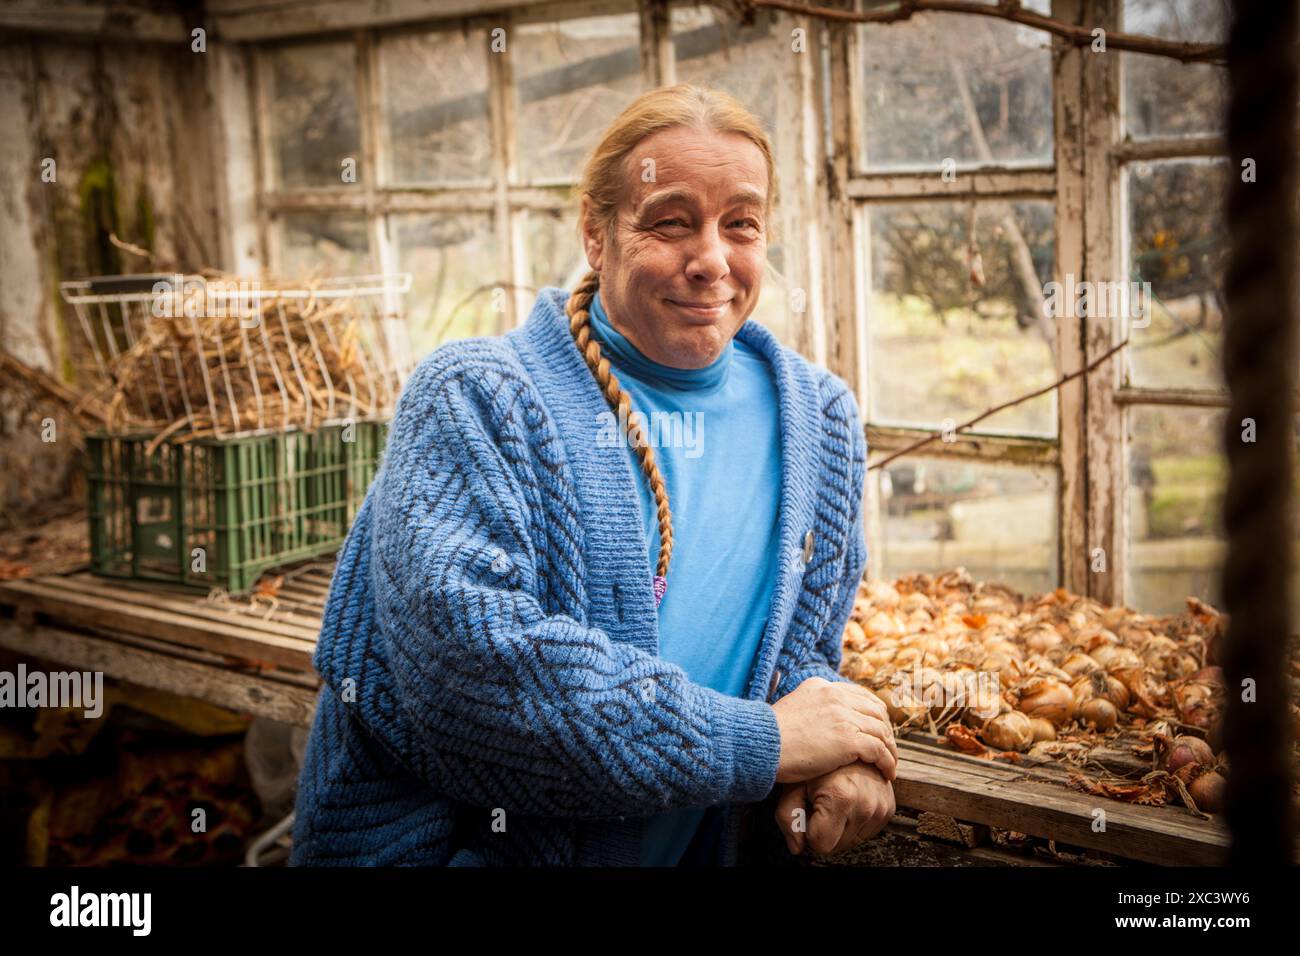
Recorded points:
(708, 261)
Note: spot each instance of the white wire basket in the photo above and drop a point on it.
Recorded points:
(230, 357)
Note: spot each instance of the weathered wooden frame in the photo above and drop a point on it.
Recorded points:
(823, 194)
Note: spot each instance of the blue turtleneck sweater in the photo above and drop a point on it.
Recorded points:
(716, 435)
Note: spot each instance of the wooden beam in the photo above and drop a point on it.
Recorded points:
(88, 609)
(997, 449)
(235, 161)
(503, 120)
(1008, 796)
(139, 594)
(135, 23)
(217, 685)
(1067, 123)
(981, 183)
(802, 190)
(1190, 397)
(658, 66)
(1103, 262)
(280, 19)
(1130, 150)
(846, 320)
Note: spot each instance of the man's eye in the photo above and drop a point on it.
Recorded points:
(667, 222)
(753, 224)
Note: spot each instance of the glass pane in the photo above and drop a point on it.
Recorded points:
(436, 108)
(315, 125)
(997, 521)
(452, 258)
(1178, 243)
(773, 308)
(972, 89)
(323, 243)
(955, 320)
(1175, 486)
(1176, 477)
(571, 78)
(714, 50)
(555, 256)
(1163, 97)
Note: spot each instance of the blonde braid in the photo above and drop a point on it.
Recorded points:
(579, 325)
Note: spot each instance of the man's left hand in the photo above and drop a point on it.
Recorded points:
(841, 809)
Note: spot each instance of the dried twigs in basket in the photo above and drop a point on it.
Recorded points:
(187, 357)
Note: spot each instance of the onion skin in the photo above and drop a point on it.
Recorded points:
(1213, 675)
(856, 667)
(1173, 754)
(855, 638)
(1048, 698)
(1179, 665)
(1098, 713)
(1114, 657)
(1078, 664)
(1005, 648)
(1199, 702)
(1188, 749)
(883, 624)
(1042, 639)
(1100, 684)
(1145, 694)
(902, 704)
(1043, 729)
(1157, 650)
(903, 708)
(883, 594)
(1099, 639)
(1009, 731)
(913, 602)
(1208, 791)
(972, 717)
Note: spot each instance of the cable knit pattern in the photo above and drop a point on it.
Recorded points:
(492, 689)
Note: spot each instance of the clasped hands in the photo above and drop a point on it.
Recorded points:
(838, 761)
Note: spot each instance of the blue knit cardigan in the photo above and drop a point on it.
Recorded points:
(492, 689)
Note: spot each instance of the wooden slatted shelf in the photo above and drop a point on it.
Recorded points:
(285, 639)
(1036, 801)
(254, 656)
(248, 654)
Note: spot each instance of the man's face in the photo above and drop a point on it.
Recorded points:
(686, 264)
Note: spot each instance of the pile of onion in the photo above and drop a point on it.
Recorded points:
(1054, 667)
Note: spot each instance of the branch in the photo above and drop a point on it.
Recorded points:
(85, 409)
(1011, 10)
(997, 408)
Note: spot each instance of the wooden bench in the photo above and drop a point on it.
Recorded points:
(242, 654)
(255, 657)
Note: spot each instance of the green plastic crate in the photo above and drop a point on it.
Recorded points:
(218, 513)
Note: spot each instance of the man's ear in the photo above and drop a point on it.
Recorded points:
(593, 237)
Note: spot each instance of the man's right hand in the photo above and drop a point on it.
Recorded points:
(826, 725)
